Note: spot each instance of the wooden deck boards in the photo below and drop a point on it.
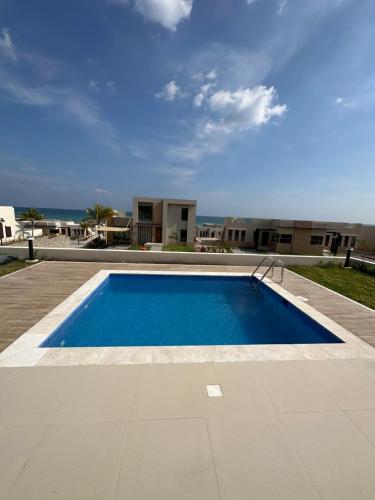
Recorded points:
(27, 296)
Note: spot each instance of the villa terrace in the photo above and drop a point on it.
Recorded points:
(281, 430)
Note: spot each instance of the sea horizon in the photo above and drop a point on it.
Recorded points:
(76, 215)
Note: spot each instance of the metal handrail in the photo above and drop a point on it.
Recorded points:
(272, 265)
(261, 262)
(265, 274)
(282, 268)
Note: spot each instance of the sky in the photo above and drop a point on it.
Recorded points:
(255, 108)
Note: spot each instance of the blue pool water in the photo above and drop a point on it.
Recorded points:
(156, 310)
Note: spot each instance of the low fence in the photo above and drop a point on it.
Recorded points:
(140, 257)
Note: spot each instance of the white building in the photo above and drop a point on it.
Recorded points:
(209, 230)
(11, 229)
(8, 224)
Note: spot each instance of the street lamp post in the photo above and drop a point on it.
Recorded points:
(30, 241)
(1, 230)
(347, 260)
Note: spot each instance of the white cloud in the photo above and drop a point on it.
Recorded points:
(283, 4)
(89, 117)
(340, 101)
(204, 90)
(249, 2)
(177, 176)
(212, 75)
(111, 87)
(198, 100)
(168, 13)
(7, 46)
(67, 100)
(94, 85)
(103, 191)
(170, 91)
(244, 109)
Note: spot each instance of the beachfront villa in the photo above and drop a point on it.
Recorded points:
(296, 236)
(71, 229)
(209, 230)
(157, 220)
(11, 229)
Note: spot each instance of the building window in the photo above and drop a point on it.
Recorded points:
(8, 231)
(346, 241)
(285, 238)
(184, 213)
(243, 235)
(230, 235)
(316, 240)
(145, 212)
(236, 234)
(183, 235)
(327, 240)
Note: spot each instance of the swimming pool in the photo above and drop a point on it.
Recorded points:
(185, 310)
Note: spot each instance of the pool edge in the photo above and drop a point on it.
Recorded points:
(26, 350)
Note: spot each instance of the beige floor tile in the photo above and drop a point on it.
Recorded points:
(6, 374)
(242, 392)
(168, 460)
(33, 395)
(291, 388)
(367, 367)
(73, 462)
(339, 459)
(168, 391)
(364, 420)
(16, 447)
(254, 460)
(346, 384)
(99, 394)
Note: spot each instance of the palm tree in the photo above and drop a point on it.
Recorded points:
(32, 214)
(99, 214)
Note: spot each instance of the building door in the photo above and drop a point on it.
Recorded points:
(144, 235)
(265, 237)
(335, 243)
(256, 238)
(158, 237)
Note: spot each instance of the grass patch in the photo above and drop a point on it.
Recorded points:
(352, 283)
(10, 267)
(178, 248)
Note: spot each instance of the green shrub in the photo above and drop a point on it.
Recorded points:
(178, 248)
(363, 267)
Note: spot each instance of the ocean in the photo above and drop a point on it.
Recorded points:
(78, 215)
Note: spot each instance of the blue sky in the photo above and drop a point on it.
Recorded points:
(262, 108)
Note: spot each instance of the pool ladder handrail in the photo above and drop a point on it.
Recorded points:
(261, 262)
(270, 268)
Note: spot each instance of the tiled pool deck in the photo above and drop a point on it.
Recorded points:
(282, 430)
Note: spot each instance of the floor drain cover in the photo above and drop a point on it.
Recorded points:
(214, 391)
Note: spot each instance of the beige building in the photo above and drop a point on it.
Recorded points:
(157, 220)
(298, 237)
